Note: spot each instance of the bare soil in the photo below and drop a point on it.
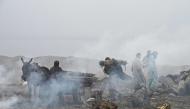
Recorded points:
(15, 96)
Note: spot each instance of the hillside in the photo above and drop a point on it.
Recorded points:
(10, 67)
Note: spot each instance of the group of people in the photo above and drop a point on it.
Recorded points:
(145, 71)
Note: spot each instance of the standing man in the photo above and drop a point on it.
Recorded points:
(145, 66)
(56, 73)
(146, 58)
(55, 70)
(137, 71)
(152, 71)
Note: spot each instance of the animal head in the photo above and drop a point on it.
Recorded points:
(26, 66)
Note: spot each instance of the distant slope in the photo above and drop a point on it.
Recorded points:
(10, 70)
(164, 69)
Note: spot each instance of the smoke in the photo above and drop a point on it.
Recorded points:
(117, 30)
(7, 77)
(52, 89)
(2, 71)
(169, 46)
(8, 95)
(47, 93)
(8, 103)
(77, 65)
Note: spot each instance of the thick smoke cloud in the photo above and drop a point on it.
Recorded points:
(7, 103)
(12, 91)
(6, 78)
(168, 48)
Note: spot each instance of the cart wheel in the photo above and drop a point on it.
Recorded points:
(79, 94)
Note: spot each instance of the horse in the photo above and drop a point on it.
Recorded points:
(35, 76)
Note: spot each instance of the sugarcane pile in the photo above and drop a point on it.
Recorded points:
(165, 105)
(105, 105)
(178, 84)
(172, 85)
(85, 78)
(113, 66)
(111, 62)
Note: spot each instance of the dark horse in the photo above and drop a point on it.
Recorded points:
(35, 76)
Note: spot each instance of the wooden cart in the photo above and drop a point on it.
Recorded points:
(76, 83)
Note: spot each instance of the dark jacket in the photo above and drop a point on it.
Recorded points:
(55, 70)
(115, 68)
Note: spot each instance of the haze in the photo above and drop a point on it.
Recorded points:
(96, 29)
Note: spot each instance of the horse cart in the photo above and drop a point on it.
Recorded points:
(58, 85)
(75, 84)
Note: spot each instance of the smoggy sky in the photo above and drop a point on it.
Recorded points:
(96, 29)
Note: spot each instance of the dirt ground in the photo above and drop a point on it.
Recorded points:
(15, 96)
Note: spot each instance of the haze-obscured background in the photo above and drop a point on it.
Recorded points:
(11, 67)
(96, 29)
(92, 30)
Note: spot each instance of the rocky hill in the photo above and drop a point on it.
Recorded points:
(10, 67)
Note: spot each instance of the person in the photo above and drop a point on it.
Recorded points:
(55, 70)
(113, 66)
(145, 65)
(146, 58)
(113, 69)
(139, 82)
(137, 71)
(110, 70)
(152, 71)
(56, 75)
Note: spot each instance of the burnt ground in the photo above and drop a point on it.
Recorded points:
(15, 96)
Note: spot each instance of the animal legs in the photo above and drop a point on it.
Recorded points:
(30, 88)
(35, 93)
